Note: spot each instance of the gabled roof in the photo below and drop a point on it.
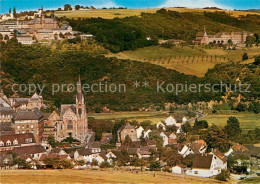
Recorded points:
(220, 155)
(202, 161)
(65, 107)
(126, 126)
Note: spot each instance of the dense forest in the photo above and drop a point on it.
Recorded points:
(39, 65)
(132, 32)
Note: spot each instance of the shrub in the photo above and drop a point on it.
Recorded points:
(223, 176)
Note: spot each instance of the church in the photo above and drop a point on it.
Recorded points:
(70, 121)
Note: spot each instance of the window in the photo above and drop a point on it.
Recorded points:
(31, 126)
(23, 132)
(28, 140)
(8, 143)
(70, 125)
(18, 127)
(1, 143)
(195, 172)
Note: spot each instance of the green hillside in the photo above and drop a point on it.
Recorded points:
(131, 32)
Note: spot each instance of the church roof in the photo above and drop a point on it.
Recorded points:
(65, 107)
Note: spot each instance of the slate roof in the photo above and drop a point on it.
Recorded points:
(7, 111)
(28, 115)
(65, 107)
(19, 137)
(202, 161)
(29, 149)
(84, 151)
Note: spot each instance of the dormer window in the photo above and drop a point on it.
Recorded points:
(28, 140)
(15, 142)
(8, 143)
(1, 143)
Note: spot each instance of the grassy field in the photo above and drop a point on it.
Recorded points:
(112, 13)
(155, 117)
(193, 60)
(248, 121)
(90, 176)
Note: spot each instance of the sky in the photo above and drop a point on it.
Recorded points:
(23, 5)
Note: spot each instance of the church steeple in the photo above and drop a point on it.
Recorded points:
(80, 96)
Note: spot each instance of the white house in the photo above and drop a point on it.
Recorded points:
(170, 121)
(161, 125)
(139, 131)
(207, 165)
(196, 147)
(165, 139)
(177, 170)
(184, 119)
(146, 133)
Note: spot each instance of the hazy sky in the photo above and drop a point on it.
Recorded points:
(22, 5)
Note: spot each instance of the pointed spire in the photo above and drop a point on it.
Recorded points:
(80, 97)
(204, 29)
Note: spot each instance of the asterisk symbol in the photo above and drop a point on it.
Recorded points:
(136, 84)
(145, 84)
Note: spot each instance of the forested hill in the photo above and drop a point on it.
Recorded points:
(36, 64)
(131, 32)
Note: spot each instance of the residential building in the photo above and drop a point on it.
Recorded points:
(126, 130)
(206, 165)
(9, 142)
(29, 121)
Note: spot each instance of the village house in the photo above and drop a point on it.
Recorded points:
(34, 151)
(126, 130)
(9, 142)
(29, 121)
(106, 138)
(206, 165)
(196, 147)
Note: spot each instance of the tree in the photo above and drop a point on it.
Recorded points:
(215, 137)
(188, 160)
(10, 10)
(67, 7)
(250, 40)
(200, 124)
(77, 7)
(254, 107)
(6, 37)
(256, 37)
(181, 138)
(233, 128)
(51, 140)
(14, 12)
(257, 60)
(1, 37)
(241, 107)
(155, 166)
(145, 124)
(229, 41)
(186, 127)
(223, 176)
(105, 164)
(94, 162)
(244, 57)
(128, 141)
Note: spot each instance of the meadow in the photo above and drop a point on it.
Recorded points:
(248, 121)
(193, 60)
(95, 176)
(121, 13)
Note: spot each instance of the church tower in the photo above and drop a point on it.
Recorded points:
(82, 123)
(42, 17)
